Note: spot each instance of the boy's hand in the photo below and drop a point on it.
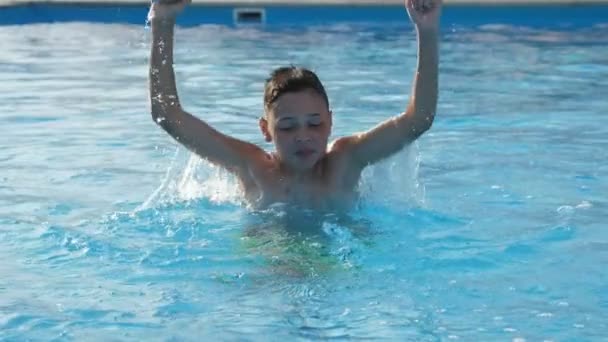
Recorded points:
(424, 13)
(166, 9)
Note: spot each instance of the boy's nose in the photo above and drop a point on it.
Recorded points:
(302, 138)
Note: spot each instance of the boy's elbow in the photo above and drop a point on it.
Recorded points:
(155, 114)
(160, 113)
(163, 119)
(161, 110)
(427, 122)
(420, 117)
(160, 118)
(423, 124)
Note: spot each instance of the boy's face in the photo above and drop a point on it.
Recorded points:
(299, 124)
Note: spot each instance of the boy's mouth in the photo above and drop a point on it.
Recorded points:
(304, 152)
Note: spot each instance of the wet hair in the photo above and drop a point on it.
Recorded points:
(291, 79)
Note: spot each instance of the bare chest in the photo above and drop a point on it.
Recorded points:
(333, 187)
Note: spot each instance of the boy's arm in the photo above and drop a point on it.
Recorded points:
(392, 135)
(193, 133)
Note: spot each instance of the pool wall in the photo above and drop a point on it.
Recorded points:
(310, 12)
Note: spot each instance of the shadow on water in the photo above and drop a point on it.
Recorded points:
(297, 243)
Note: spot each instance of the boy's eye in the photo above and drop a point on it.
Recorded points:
(286, 128)
(315, 121)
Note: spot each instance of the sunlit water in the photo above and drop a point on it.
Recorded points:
(491, 227)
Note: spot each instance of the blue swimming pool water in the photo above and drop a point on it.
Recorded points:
(492, 227)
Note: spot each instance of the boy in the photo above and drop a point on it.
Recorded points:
(304, 170)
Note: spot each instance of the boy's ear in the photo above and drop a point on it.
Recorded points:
(331, 118)
(264, 128)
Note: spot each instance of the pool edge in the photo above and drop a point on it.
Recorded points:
(9, 3)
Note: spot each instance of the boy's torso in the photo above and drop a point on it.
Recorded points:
(332, 184)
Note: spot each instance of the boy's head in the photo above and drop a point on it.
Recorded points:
(296, 118)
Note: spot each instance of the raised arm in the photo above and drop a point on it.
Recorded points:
(193, 133)
(392, 135)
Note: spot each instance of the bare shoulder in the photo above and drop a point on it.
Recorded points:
(257, 170)
(342, 145)
(253, 152)
(261, 164)
(260, 158)
(341, 160)
(341, 150)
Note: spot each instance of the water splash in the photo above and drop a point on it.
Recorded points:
(394, 181)
(189, 178)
